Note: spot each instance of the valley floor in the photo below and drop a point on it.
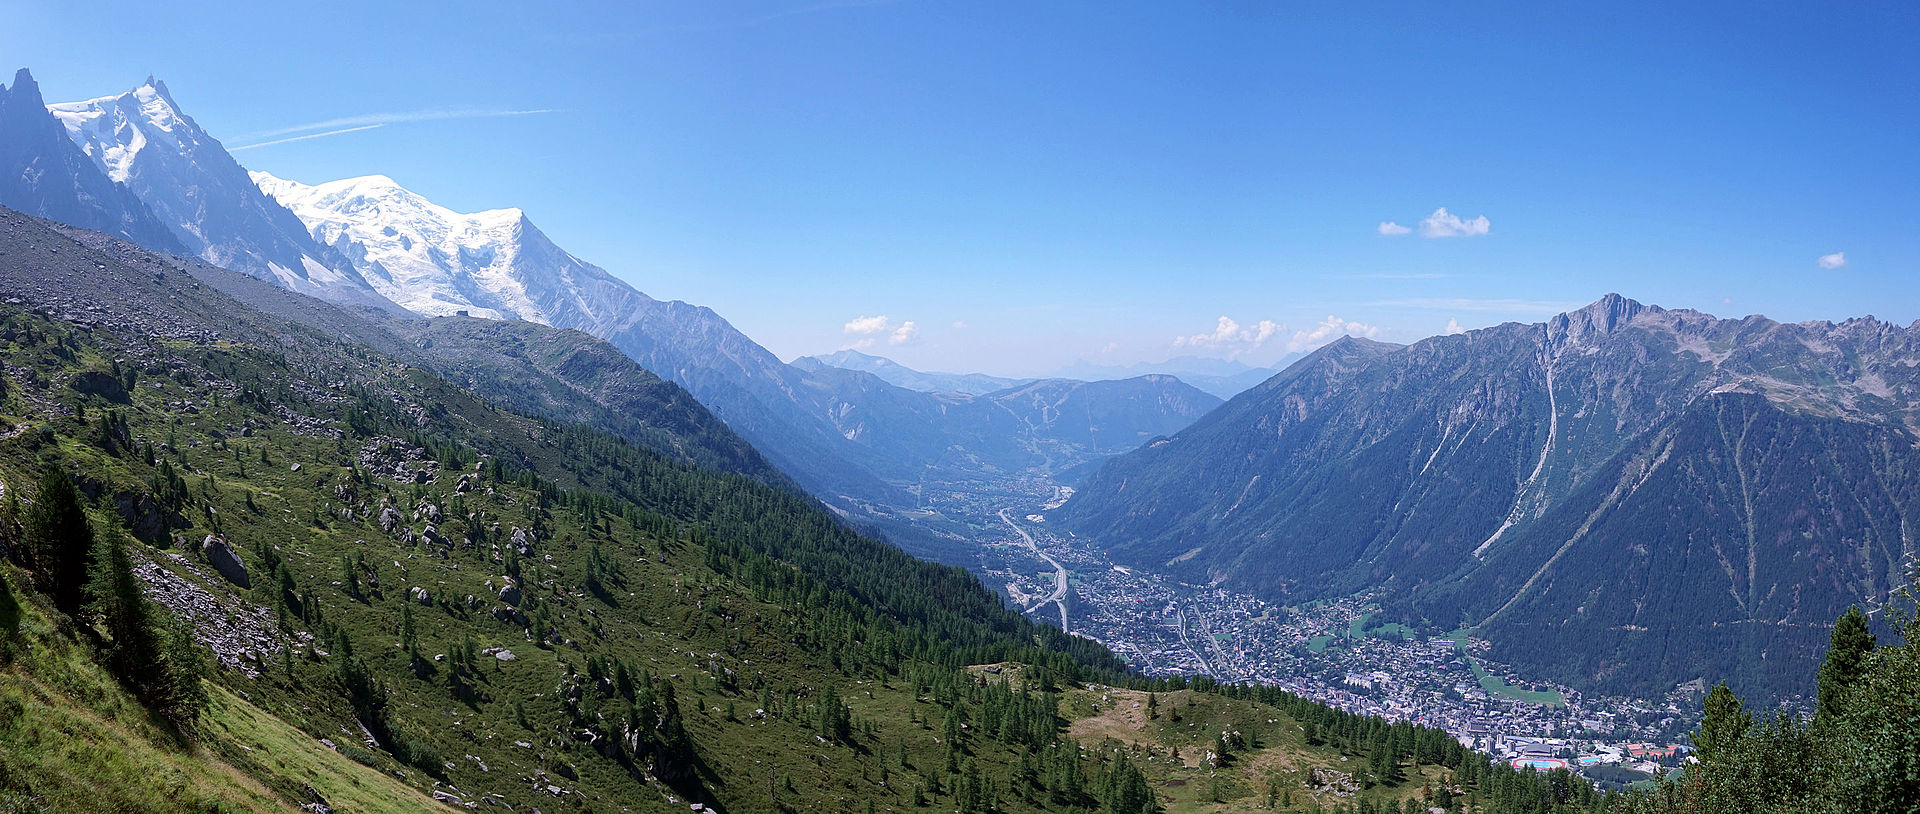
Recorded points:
(1333, 652)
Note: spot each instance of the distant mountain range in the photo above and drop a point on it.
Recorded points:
(1624, 497)
(136, 159)
(1225, 378)
(899, 375)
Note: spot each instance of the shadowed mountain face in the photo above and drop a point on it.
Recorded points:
(44, 173)
(1626, 496)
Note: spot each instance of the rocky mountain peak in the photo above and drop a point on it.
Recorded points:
(25, 90)
(1602, 317)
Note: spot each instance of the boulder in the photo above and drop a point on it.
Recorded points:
(420, 595)
(221, 557)
(102, 384)
(510, 594)
(389, 518)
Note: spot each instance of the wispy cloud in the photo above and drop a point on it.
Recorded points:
(1446, 224)
(1498, 305)
(1833, 261)
(322, 134)
(348, 124)
(1391, 229)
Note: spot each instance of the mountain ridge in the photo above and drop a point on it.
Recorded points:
(1466, 473)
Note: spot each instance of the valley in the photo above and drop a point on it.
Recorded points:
(1331, 651)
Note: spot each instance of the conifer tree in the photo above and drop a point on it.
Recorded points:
(114, 597)
(60, 540)
(1846, 660)
(1724, 725)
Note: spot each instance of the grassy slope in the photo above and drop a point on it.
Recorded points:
(74, 739)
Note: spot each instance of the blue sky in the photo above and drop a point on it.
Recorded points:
(1031, 184)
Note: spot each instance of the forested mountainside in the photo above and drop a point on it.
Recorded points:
(253, 567)
(1587, 493)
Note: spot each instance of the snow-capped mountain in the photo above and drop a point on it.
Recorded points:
(496, 263)
(434, 261)
(142, 141)
(43, 173)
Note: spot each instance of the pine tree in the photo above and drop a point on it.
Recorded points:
(185, 696)
(1846, 660)
(114, 597)
(60, 540)
(1724, 725)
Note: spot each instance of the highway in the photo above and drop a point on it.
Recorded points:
(1059, 596)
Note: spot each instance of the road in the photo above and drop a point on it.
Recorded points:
(1180, 622)
(1059, 596)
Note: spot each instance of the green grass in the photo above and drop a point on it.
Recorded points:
(1498, 687)
(1359, 628)
(72, 737)
(1172, 746)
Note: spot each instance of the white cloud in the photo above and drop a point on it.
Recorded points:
(1328, 330)
(1833, 261)
(1391, 229)
(904, 334)
(858, 344)
(1453, 327)
(959, 324)
(1229, 335)
(1446, 224)
(868, 325)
